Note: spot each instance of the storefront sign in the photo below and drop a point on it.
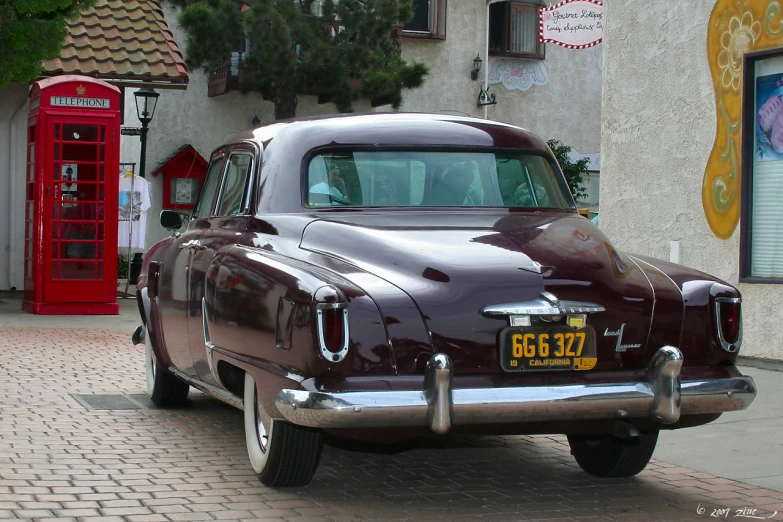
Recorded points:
(574, 24)
(73, 101)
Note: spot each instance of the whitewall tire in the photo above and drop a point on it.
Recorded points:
(164, 388)
(282, 454)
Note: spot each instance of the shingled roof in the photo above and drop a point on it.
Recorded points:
(122, 40)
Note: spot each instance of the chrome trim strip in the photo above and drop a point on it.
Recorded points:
(328, 354)
(658, 398)
(729, 347)
(207, 342)
(652, 289)
(218, 393)
(541, 307)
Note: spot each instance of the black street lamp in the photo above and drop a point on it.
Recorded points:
(146, 101)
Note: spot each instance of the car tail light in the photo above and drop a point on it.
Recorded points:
(728, 311)
(332, 325)
(333, 329)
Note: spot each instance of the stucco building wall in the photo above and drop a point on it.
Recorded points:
(659, 121)
(14, 106)
(563, 101)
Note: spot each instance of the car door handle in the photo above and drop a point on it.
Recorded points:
(193, 245)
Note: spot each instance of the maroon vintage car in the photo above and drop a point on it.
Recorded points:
(386, 276)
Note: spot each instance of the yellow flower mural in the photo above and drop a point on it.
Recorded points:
(736, 27)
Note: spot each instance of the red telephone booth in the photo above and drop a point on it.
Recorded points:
(73, 143)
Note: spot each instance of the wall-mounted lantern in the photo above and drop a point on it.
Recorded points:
(476, 68)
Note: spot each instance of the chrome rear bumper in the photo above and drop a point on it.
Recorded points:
(663, 398)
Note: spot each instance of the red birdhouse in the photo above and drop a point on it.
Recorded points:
(183, 175)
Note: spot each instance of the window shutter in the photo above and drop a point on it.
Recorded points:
(766, 250)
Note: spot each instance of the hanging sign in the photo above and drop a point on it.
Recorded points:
(573, 24)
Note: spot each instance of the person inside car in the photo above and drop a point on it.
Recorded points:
(334, 186)
(453, 187)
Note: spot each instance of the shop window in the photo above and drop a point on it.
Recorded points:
(761, 243)
(429, 20)
(514, 29)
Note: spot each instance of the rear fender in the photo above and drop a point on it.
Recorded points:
(148, 303)
(699, 339)
(259, 308)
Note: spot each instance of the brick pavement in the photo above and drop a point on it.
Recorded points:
(62, 461)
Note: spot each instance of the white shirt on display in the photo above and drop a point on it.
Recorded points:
(133, 206)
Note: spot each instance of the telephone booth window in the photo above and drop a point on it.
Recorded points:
(29, 202)
(78, 193)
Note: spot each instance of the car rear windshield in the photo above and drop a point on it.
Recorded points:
(438, 179)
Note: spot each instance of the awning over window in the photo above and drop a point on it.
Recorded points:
(127, 42)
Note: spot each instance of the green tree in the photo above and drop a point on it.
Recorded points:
(342, 49)
(32, 31)
(574, 170)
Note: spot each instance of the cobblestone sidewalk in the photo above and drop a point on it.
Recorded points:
(61, 460)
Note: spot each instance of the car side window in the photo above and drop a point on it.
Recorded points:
(234, 184)
(207, 196)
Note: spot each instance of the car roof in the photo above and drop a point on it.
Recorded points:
(390, 129)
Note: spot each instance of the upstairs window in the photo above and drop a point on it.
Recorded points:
(429, 20)
(514, 29)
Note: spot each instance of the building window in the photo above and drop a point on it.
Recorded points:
(761, 242)
(429, 20)
(514, 29)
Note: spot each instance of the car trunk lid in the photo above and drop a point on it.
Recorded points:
(455, 264)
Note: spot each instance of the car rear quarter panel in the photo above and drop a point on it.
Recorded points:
(147, 298)
(698, 340)
(260, 314)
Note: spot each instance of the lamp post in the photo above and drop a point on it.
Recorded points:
(146, 101)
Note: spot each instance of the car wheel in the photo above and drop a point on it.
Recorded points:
(282, 454)
(164, 388)
(609, 457)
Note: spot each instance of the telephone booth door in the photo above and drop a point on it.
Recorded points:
(75, 193)
(77, 238)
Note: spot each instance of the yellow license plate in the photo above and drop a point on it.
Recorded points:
(547, 348)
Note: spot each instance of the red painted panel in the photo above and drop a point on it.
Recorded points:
(185, 170)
